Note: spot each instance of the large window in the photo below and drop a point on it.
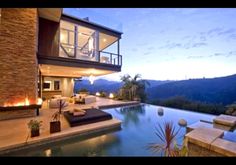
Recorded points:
(78, 42)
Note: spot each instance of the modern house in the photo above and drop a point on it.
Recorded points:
(43, 51)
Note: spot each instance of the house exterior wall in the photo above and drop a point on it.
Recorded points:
(49, 32)
(66, 87)
(18, 47)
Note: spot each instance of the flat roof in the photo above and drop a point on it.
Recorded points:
(92, 23)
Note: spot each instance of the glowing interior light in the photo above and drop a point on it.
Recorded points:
(91, 44)
(63, 38)
(98, 94)
(48, 152)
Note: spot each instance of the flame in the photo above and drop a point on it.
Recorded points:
(27, 101)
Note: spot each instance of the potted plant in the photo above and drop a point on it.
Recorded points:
(55, 124)
(34, 126)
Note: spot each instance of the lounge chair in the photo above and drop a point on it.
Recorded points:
(91, 116)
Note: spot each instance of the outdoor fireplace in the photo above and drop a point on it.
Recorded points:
(19, 109)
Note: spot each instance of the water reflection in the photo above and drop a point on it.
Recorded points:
(91, 147)
(131, 114)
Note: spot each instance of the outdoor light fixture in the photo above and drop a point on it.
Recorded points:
(98, 94)
(104, 40)
(91, 79)
(111, 96)
(39, 101)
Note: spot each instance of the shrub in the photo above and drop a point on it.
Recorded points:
(102, 94)
(183, 103)
(231, 109)
(82, 90)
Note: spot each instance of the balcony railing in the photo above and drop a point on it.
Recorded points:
(69, 51)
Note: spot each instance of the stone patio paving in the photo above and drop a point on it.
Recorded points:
(14, 132)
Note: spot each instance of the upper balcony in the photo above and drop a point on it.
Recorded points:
(76, 42)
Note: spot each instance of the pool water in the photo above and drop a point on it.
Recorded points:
(137, 131)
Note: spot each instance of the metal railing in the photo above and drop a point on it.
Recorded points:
(110, 58)
(91, 55)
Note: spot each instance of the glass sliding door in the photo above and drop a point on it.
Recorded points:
(86, 44)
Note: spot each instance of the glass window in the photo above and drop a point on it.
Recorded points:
(63, 36)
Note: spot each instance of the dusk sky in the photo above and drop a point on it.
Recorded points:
(173, 44)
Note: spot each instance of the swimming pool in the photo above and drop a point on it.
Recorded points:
(137, 131)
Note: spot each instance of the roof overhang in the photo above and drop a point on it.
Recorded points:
(91, 25)
(53, 14)
(74, 72)
(63, 67)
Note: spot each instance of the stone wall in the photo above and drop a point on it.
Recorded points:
(14, 114)
(195, 150)
(18, 60)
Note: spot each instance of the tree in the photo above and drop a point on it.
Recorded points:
(133, 87)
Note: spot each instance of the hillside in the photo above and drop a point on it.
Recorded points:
(109, 86)
(214, 90)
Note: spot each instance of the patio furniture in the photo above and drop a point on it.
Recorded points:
(54, 103)
(84, 99)
(91, 116)
(90, 99)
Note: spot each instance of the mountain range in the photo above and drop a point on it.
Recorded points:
(220, 90)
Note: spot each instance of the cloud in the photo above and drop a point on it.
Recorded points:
(218, 54)
(226, 32)
(202, 38)
(151, 48)
(195, 45)
(146, 53)
(187, 45)
(162, 31)
(195, 57)
(232, 36)
(214, 30)
(226, 54)
(187, 37)
(134, 49)
(231, 53)
(142, 44)
(171, 45)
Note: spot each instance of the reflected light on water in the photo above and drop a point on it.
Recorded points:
(48, 152)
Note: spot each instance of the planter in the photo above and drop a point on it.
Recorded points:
(34, 133)
(55, 126)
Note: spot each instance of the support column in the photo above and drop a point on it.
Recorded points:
(18, 64)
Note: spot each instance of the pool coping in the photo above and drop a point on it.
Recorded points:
(129, 103)
(39, 141)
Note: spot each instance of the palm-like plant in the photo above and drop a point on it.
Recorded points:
(133, 87)
(167, 136)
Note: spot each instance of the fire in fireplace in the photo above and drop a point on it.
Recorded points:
(22, 105)
(26, 102)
